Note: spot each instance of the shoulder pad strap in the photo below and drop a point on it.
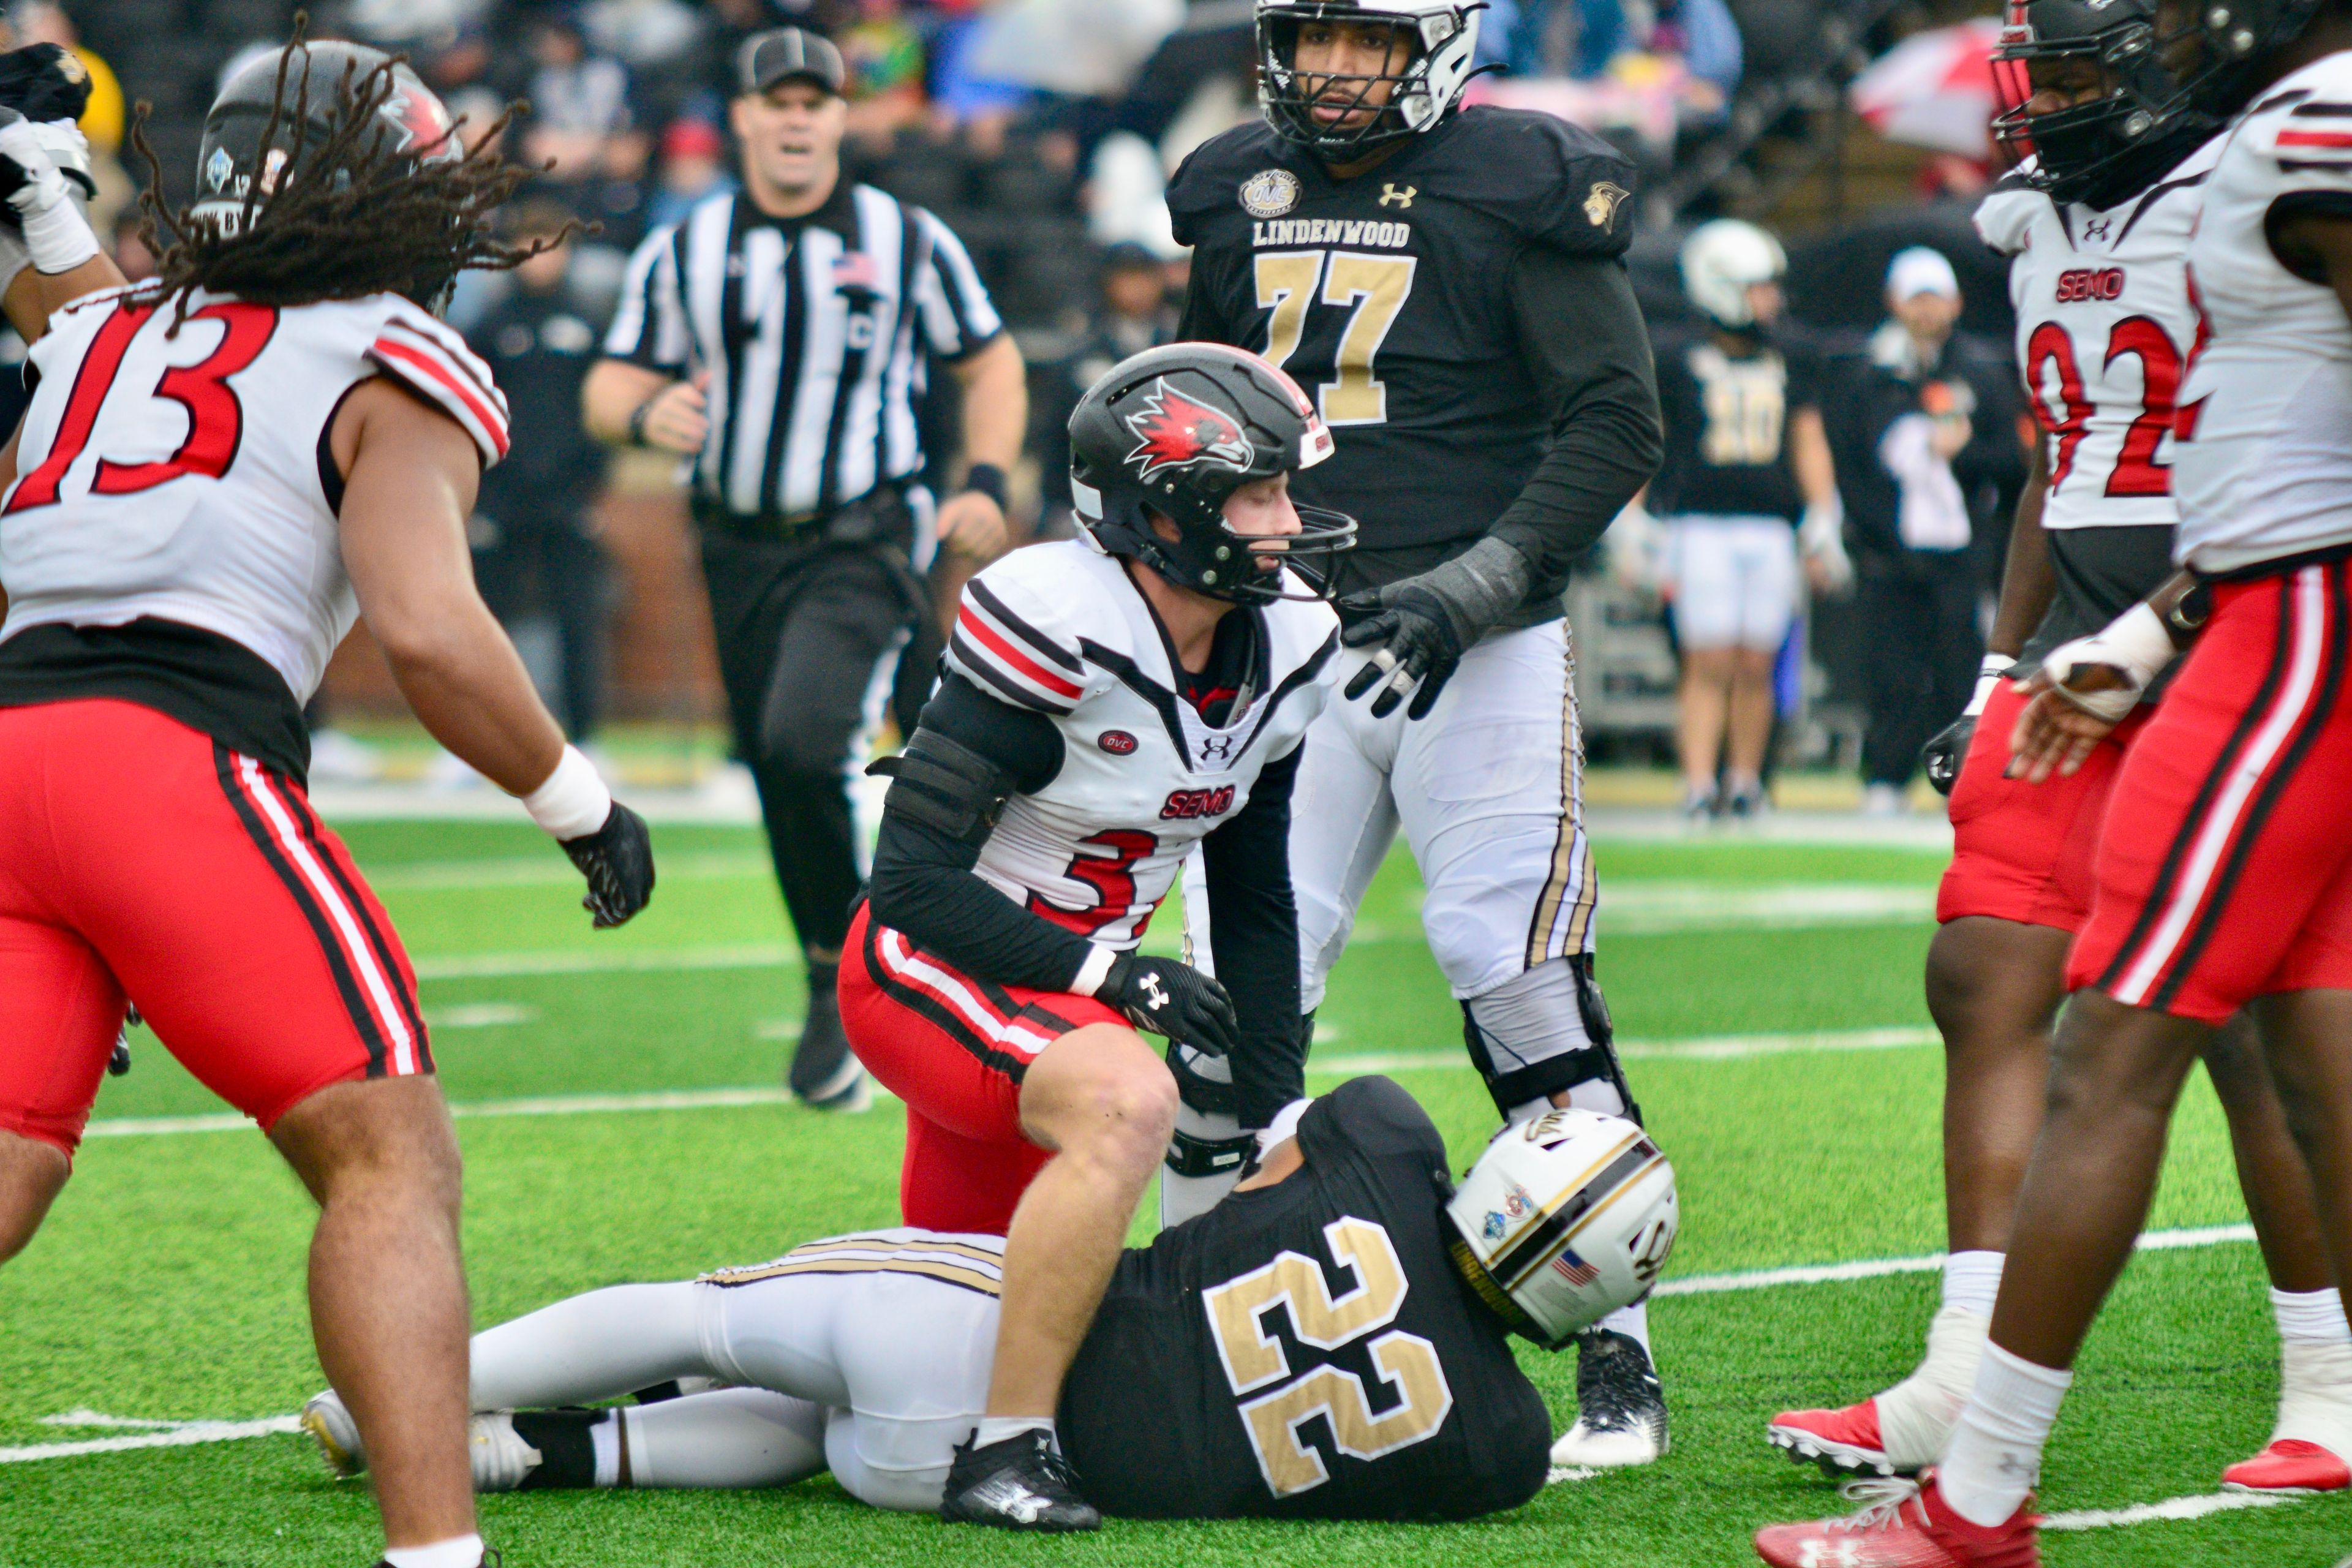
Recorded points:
(945, 785)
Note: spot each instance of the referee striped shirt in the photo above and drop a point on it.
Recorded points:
(816, 332)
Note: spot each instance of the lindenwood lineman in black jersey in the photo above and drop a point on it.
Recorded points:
(780, 339)
(1447, 283)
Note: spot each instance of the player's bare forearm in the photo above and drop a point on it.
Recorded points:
(35, 296)
(410, 478)
(1809, 457)
(996, 402)
(2028, 581)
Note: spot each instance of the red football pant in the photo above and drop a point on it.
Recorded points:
(2026, 852)
(2223, 867)
(141, 861)
(955, 1050)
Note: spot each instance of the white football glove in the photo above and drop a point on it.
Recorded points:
(1820, 538)
(40, 196)
(1636, 548)
(2135, 645)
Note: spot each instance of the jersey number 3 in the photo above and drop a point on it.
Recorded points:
(215, 416)
(1374, 287)
(1253, 1358)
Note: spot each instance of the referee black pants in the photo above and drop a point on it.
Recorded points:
(810, 639)
(1920, 623)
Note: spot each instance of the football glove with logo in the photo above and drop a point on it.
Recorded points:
(1425, 624)
(1172, 999)
(37, 197)
(1943, 755)
(618, 861)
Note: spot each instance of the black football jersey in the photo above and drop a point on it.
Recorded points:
(1727, 424)
(1388, 298)
(2100, 573)
(1308, 1350)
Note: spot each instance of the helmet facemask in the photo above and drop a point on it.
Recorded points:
(1440, 42)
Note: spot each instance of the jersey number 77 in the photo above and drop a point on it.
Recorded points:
(1374, 289)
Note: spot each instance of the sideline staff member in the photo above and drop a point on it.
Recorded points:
(779, 338)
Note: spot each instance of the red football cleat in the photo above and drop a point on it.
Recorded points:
(1903, 1524)
(1842, 1442)
(2289, 1465)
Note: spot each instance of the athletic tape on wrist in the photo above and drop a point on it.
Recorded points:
(58, 237)
(574, 803)
(1989, 675)
(1094, 971)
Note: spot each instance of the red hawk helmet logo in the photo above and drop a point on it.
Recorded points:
(1179, 432)
(425, 128)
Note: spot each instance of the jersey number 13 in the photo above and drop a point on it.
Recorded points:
(1374, 289)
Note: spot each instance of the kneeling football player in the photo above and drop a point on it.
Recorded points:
(1109, 703)
(1332, 1341)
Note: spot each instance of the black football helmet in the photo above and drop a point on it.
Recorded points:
(1421, 96)
(235, 173)
(1172, 433)
(2169, 75)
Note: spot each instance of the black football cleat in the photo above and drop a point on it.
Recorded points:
(825, 1073)
(1621, 1408)
(1022, 1483)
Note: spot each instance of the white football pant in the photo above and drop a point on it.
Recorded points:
(867, 1355)
(1736, 581)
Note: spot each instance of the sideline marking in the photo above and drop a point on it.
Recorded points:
(2170, 1507)
(1878, 1267)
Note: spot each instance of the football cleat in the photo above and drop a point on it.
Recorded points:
(1903, 1524)
(329, 1422)
(1021, 1483)
(825, 1073)
(2314, 1436)
(1902, 1430)
(1621, 1407)
(501, 1459)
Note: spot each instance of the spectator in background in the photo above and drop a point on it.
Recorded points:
(693, 166)
(884, 55)
(1133, 314)
(131, 253)
(1923, 430)
(534, 529)
(578, 100)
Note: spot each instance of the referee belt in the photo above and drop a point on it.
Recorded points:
(881, 516)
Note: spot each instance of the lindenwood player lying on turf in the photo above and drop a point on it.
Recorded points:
(1332, 1341)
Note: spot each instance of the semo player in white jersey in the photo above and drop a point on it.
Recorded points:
(220, 470)
(2107, 324)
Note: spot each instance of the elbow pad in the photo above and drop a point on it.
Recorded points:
(946, 785)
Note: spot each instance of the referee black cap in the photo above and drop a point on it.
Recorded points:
(783, 54)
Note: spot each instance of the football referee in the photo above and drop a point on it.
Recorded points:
(780, 339)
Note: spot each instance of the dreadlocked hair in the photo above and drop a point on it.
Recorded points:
(357, 216)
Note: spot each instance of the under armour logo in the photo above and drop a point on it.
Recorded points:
(1153, 996)
(1217, 748)
(1028, 1508)
(1820, 1553)
(2097, 229)
(1391, 196)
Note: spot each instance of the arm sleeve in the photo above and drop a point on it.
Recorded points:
(923, 883)
(1253, 930)
(649, 324)
(958, 318)
(1583, 340)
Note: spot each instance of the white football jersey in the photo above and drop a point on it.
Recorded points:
(1059, 629)
(186, 475)
(2105, 330)
(2265, 427)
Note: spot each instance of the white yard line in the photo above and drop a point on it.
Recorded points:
(181, 1434)
(2170, 1507)
(1928, 1263)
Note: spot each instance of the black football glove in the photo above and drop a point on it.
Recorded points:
(618, 861)
(1943, 755)
(43, 81)
(1172, 999)
(1425, 624)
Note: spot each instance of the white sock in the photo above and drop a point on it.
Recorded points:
(2316, 1317)
(997, 1428)
(1632, 1321)
(1996, 1452)
(458, 1552)
(605, 1438)
(1972, 1279)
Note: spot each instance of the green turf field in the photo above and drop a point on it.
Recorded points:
(167, 1286)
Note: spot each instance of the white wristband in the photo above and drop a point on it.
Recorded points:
(58, 237)
(574, 803)
(2136, 643)
(1095, 970)
(1989, 674)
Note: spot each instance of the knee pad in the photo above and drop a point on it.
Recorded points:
(1545, 1032)
(1209, 1149)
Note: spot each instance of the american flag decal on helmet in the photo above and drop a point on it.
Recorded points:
(1575, 1270)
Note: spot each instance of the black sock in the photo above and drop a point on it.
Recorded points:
(822, 978)
(567, 1452)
